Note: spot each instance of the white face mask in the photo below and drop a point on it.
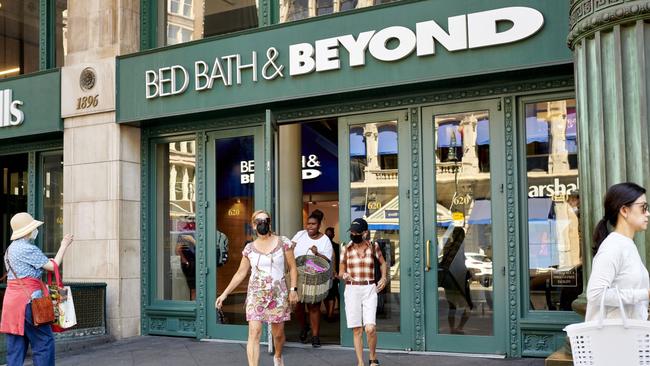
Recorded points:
(34, 234)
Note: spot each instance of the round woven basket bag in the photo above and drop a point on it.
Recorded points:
(313, 286)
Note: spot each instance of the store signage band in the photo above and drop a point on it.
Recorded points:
(10, 114)
(470, 31)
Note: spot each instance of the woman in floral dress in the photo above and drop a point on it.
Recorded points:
(268, 299)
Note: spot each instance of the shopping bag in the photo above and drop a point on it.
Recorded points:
(64, 312)
(67, 315)
(607, 342)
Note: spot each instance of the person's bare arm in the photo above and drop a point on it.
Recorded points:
(65, 244)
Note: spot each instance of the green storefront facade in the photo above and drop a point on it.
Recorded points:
(449, 126)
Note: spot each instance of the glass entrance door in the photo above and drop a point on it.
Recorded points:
(374, 180)
(235, 189)
(463, 156)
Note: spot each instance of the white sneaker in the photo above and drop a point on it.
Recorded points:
(278, 361)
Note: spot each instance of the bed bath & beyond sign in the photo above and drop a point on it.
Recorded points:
(474, 30)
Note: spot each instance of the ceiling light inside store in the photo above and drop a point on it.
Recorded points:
(9, 71)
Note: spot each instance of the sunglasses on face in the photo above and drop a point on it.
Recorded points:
(644, 206)
(261, 220)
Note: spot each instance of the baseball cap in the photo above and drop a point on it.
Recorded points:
(358, 225)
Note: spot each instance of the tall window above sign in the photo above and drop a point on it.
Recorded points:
(19, 37)
(291, 10)
(187, 20)
(23, 47)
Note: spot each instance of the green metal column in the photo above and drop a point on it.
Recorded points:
(609, 39)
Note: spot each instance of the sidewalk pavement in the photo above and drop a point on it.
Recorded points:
(162, 351)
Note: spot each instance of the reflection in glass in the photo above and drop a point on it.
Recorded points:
(52, 190)
(291, 10)
(61, 31)
(235, 174)
(464, 224)
(374, 195)
(13, 193)
(19, 37)
(176, 215)
(554, 250)
(188, 20)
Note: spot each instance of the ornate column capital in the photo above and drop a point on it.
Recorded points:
(586, 17)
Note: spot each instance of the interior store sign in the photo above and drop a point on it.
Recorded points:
(394, 43)
(10, 114)
(553, 189)
(310, 169)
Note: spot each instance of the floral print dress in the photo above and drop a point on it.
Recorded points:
(268, 296)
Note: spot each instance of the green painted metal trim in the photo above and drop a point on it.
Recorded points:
(265, 12)
(42, 34)
(513, 227)
(541, 343)
(148, 24)
(145, 211)
(17, 148)
(270, 154)
(31, 183)
(201, 230)
(51, 34)
(589, 17)
(416, 203)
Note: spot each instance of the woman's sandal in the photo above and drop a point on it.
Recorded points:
(373, 362)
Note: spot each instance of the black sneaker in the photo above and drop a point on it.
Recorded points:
(315, 342)
(303, 335)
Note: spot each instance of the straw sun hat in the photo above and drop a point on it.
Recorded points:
(22, 224)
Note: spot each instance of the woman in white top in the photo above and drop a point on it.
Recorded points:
(267, 299)
(617, 263)
(312, 242)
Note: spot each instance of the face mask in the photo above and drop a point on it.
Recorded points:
(262, 228)
(34, 235)
(356, 238)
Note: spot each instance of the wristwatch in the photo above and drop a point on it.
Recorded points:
(293, 289)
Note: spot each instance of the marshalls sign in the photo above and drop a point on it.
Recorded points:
(359, 50)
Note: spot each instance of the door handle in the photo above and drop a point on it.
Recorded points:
(427, 268)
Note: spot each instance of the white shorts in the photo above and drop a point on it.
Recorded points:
(360, 305)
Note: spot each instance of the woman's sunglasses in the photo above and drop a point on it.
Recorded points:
(259, 221)
(644, 206)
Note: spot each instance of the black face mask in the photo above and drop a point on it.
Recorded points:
(263, 228)
(356, 238)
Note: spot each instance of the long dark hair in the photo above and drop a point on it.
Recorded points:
(617, 196)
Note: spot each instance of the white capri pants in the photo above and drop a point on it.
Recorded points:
(360, 305)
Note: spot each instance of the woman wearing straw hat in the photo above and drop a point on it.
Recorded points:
(25, 263)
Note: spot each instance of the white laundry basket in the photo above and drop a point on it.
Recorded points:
(610, 342)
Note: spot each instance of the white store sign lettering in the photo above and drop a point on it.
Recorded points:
(470, 31)
(310, 169)
(10, 114)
